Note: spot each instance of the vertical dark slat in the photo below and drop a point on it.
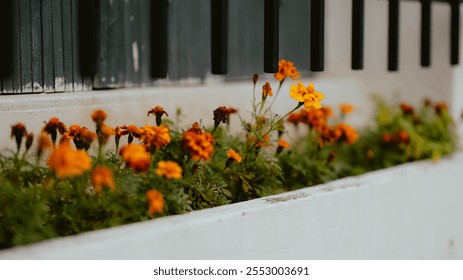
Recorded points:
(25, 42)
(102, 55)
(88, 19)
(67, 45)
(425, 33)
(131, 42)
(144, 27)
(36, 44)
(58, 54)
(6, 47)
(47, 47)
(271, 32)
(317, 35)
(219, 36)
(159, 38)
(393, 36)
(16, 41)
(454, 31)
(75, 38)
(115, 46)
(358, 20)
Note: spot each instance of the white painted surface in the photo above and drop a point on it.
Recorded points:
(411, 211)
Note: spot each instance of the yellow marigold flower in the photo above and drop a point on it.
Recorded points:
(158, 111)
(234, 155)
(102, 176)
(346, 109)
(155, 137)
(169, 170)
(99, 116)
(199, 146)
(285, 69)
(66, 162)
(136, 157)
(307, 95)
(156, 202)
(266, 90)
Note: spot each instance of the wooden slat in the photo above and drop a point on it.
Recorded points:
(219, 36)
(115, 46)
(131, 43)
(317, 35)
(271, 35)
(454, 31)
(66, 12)
(358, 21)
(36, 46)
(58, 54)
(144, 27)
(16, 41)
(393, 36)
(88, 19)
(6, 47)
(47, 46)
(425, 33)
(75, 37)
(25, 49)
(159, 38)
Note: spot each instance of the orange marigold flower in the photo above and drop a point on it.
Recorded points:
(255, 77)
(43, 144)
(294, 118)
(18, 131)
(99, 116)
(52, 127)
(386, 137)
(234, 155)
(29, 140)
(282, 143)
(136, 157)
(131, 130)
(106, 132)
(346, 109)
(285, 69)
(440, 107)
(102, 176)
(266, 90)
(306, 95)
(156, 202)
(158, 111)
(199, 146)
(407, 109)
(169, 170)
(349, 135)
(66, 162)
(220, 116)
(402, 137)
(81, 136)
(195, 128)
(155, 137)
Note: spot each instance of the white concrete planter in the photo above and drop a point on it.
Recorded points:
(411, 211)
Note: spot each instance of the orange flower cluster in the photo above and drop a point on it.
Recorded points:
(169, 170)
(102, 176)
(156, 202)
(316, 119)
(158, 112)
(285, 69)
(399, 137)
(18, 131)
(197, 144)
(155, 137)
(136, 157)
(52, 127)
(67, 162)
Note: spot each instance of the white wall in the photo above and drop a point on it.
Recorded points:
(338, 82)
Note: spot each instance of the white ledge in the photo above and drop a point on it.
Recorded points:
(411, 211)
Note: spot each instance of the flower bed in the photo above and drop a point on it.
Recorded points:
(162, 169)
